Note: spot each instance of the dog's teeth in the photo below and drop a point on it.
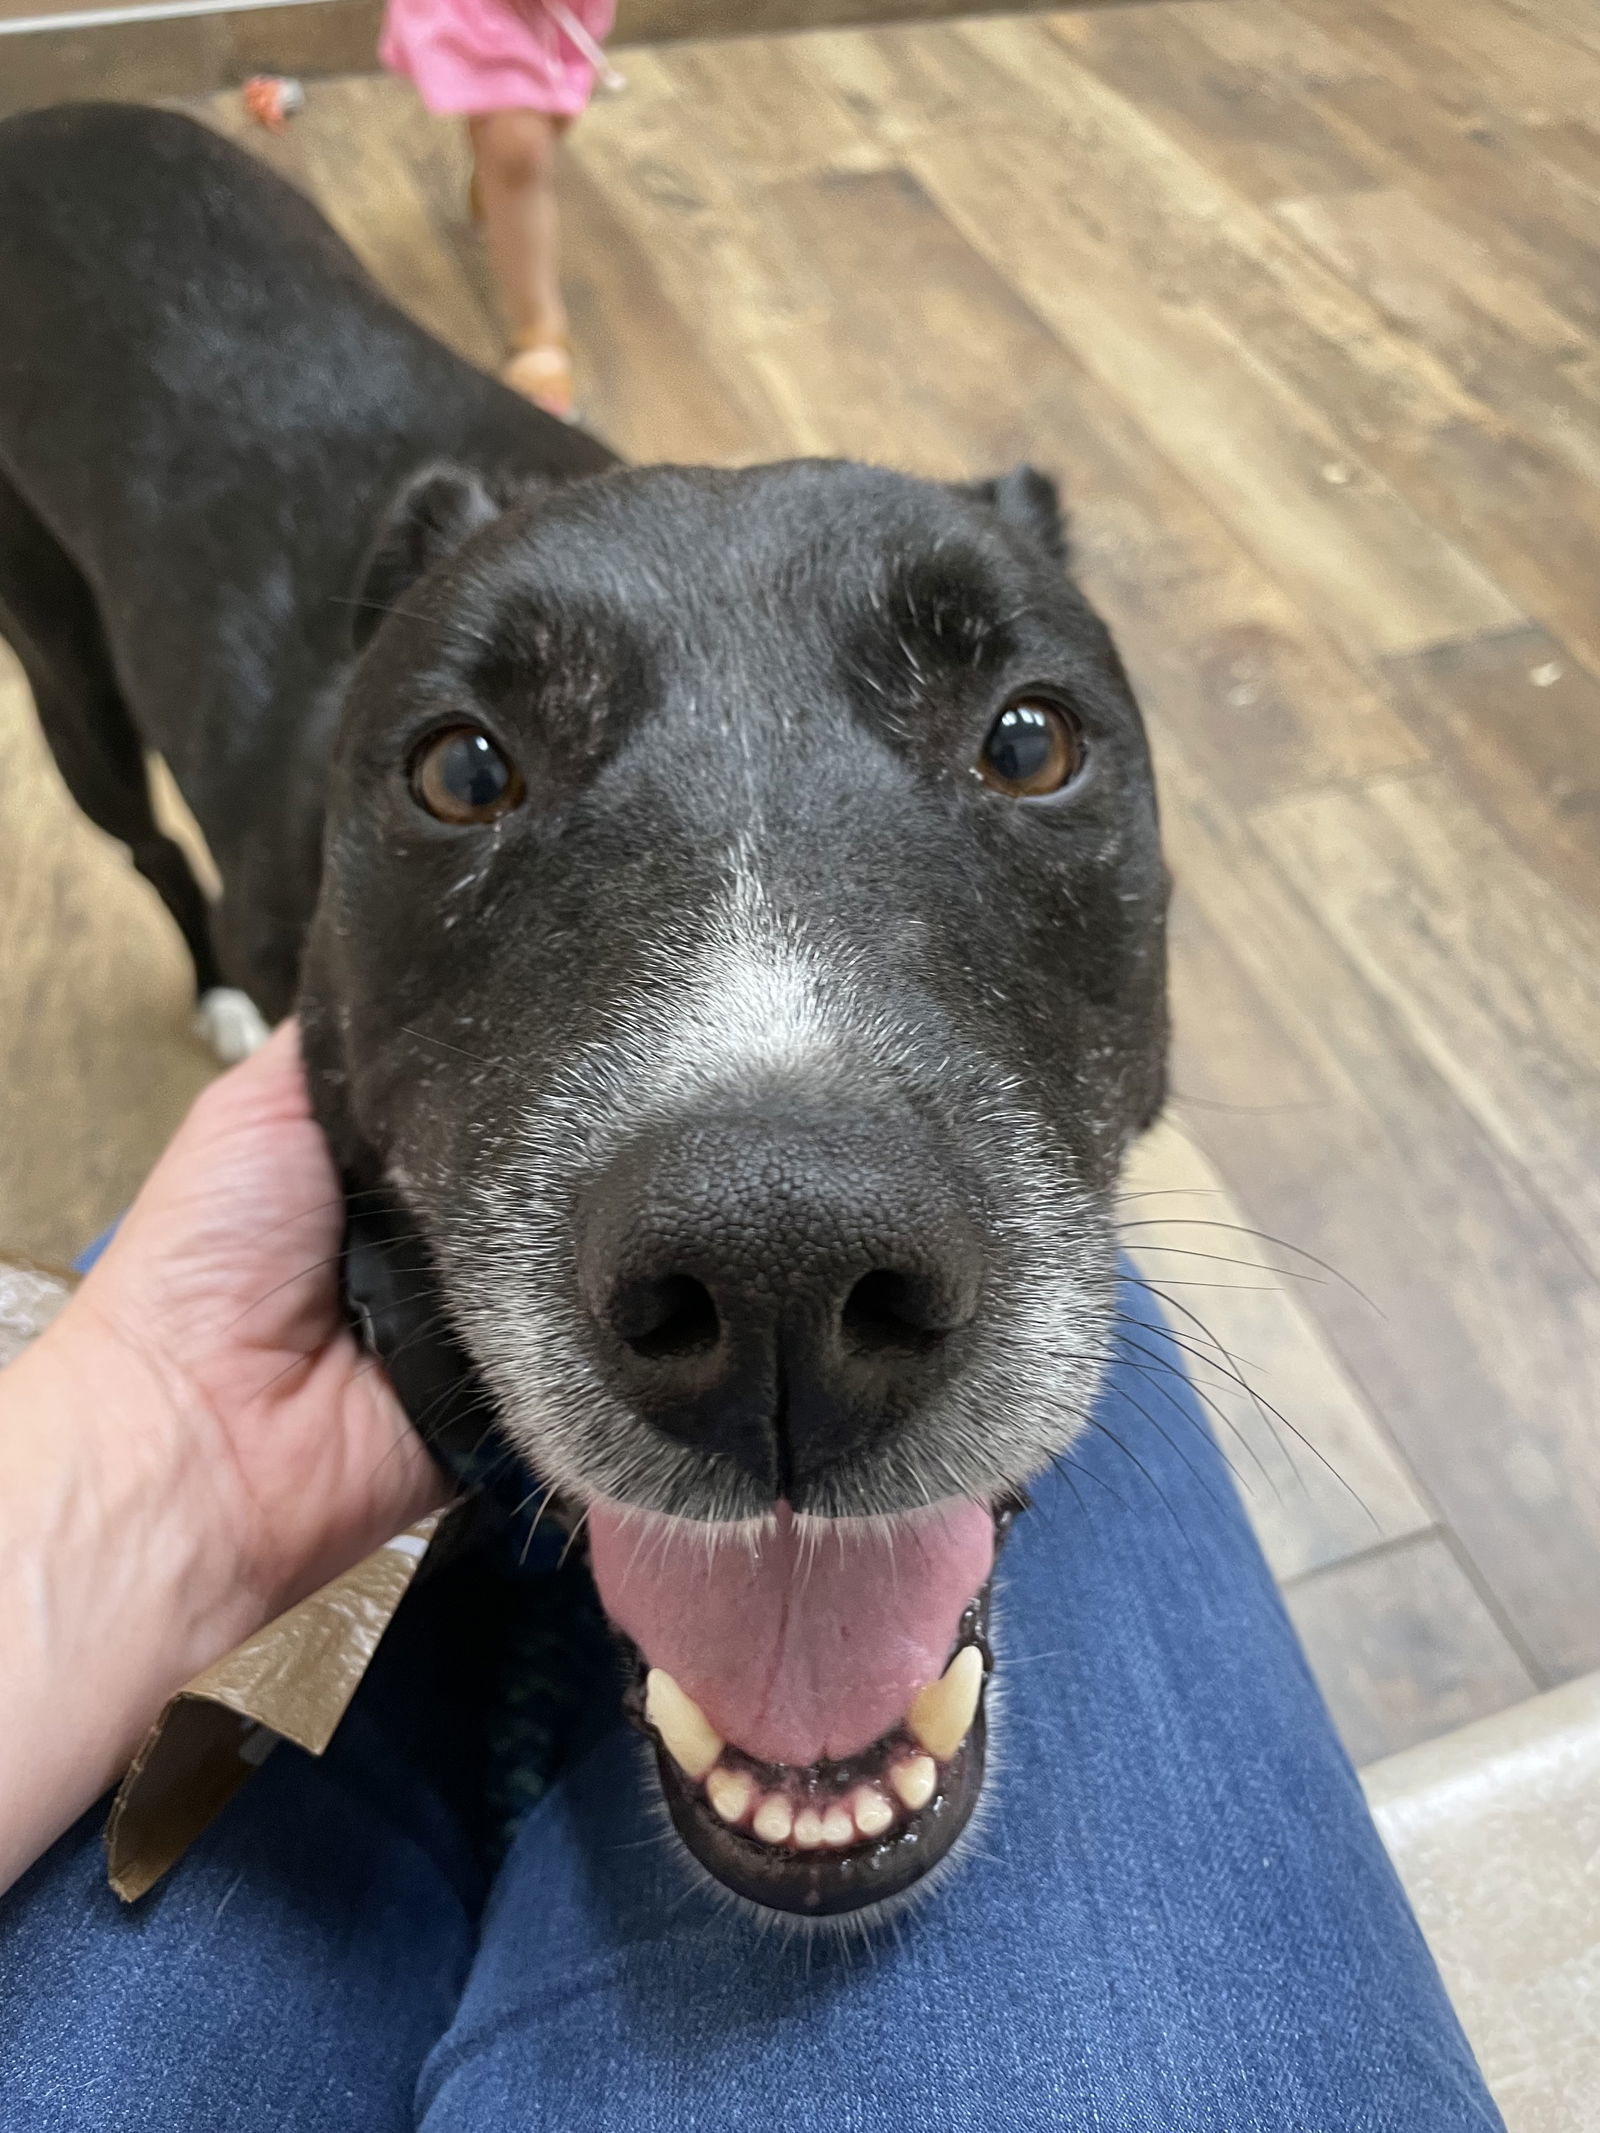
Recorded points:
(808, 1829)
(837, 1827)
(730, 1793)
(914, 1781)
(686, 1733)
(872, 1812)
(773, 1820)
(941, 1715)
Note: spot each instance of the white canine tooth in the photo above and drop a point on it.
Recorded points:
(873, 1814)
(808, 1829)
(730, 1793)
(773, 1820)
(941, 1715)
(914, 1781)
(686, 1733)
(837, 1827)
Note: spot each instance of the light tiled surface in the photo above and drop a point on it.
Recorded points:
(1496, 1832)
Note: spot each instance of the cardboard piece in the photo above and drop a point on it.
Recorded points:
(291, 1681)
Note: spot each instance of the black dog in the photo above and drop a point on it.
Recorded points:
(725, 909)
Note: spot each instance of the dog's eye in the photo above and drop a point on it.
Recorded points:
(1033, 747)
(461, 776)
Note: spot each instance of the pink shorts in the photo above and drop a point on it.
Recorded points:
(468, 57)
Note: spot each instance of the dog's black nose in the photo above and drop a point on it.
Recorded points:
(780, 1289)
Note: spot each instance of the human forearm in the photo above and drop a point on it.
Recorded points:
(112, 1591)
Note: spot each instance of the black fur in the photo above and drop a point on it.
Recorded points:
(205, 409)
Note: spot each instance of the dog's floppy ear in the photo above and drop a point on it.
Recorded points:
(432, 515)
(1031, 503)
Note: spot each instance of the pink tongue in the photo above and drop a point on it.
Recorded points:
(809, 1644)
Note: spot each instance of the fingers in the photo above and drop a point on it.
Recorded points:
(268, 1087)
(244, 1203)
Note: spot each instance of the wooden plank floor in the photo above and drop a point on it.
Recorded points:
(1300, 298)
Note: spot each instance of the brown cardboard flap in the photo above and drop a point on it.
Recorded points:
(292, 1681)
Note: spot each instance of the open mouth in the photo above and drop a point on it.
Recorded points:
(814, 1690)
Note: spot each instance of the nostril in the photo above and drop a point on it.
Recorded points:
(667, 1317)
(888, 1311)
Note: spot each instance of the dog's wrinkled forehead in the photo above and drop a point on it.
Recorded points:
(800, 554)
(775, 592)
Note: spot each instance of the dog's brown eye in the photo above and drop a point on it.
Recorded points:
(461, 776)
(1033, 747)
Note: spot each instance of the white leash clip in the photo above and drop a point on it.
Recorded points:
(610, 80)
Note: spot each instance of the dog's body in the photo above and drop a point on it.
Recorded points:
(735, 937)
(191, 473)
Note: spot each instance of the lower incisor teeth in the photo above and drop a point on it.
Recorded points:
(873, 1814)
(808, 1829)
(837, 1827)
(773, 1820)
(941, 1715)
(729, 1792)
(914, 1781)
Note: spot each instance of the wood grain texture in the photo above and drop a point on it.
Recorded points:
(647, 381)
(1470, 168)
(847, 374)
(1571, 146)
(1227, 110)
(97, 1058)
(1488, 968)
(908, 86)
(1575, 20)
(772, 117)
(1403, 1647)
(664, 173)
(1288, 53)
(654, 21)
(1433, 280)
(1473, 1324)
(1516, 720)
(1320, 1478)
(1062, 210)
(1405, 419)
(1478, 52)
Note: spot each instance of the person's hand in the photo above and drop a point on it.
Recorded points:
(194, 1444)
(212, 1326)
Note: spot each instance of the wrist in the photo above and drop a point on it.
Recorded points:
(113, 1593)
(107, 1493)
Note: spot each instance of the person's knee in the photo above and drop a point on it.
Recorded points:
(516, 149)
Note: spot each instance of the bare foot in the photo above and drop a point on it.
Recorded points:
(542, 373)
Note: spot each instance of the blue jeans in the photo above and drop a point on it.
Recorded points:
(1174, 1916)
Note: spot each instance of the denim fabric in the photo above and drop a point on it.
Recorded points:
(1175, 1913)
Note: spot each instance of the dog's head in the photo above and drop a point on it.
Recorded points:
(741, 949)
